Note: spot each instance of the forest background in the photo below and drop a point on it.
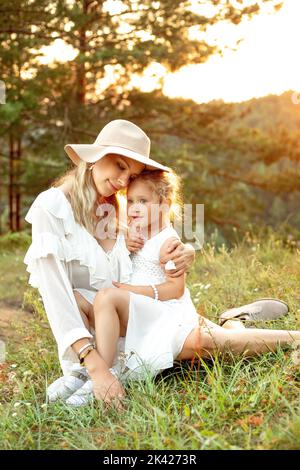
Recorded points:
(241, 160)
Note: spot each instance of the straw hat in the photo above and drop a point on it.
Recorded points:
(119, 137)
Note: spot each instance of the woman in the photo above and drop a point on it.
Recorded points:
(69, 257)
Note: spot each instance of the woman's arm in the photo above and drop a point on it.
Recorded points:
(61, 308)
(183, 255)
(50, 275)
(172, 288)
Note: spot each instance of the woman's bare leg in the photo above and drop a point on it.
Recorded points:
(233, 325)
(210, 338)
(86, 310)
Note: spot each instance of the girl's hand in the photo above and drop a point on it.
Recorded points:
(127, 287)
(119, 285)
(183, 255)
(134, 240)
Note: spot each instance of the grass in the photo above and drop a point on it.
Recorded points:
(220, 404)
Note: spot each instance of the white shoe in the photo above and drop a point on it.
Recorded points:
(83, 396)
(260, 310)
(66, 385)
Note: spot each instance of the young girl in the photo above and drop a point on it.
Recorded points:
(154, 312)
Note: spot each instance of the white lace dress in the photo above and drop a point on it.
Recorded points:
(156, 329)
(64, 256)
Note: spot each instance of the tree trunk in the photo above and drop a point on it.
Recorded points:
(17, 186)
(11, 183)
(80, 69)
(14, 192)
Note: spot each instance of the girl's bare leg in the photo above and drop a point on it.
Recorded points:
(210, 338)
(111, 317)
(111, 308)
(105, 385)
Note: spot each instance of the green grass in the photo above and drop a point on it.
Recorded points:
(13, 277)
(220, 404)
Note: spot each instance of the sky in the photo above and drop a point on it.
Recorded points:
(267, 61)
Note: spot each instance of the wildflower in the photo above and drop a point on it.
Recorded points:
(295, 356)
(14, 414)
(17, 404)
(14, 366)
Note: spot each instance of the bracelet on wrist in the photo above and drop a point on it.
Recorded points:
(84, 351)
(155, 291)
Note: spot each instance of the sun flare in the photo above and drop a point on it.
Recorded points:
(265, 62)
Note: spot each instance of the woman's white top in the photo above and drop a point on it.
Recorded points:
(64, 256)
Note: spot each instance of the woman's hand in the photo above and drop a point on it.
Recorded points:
(183, 255)
(107, 388)
(105, 385)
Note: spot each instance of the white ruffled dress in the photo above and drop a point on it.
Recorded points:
(156, 329)
(64, 256)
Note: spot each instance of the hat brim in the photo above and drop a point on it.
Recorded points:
(91, 153)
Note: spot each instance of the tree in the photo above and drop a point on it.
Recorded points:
(49, 104)
(24, 28)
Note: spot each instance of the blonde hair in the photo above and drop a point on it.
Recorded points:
(83, 196)
(167, 186)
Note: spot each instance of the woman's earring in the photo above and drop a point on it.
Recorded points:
(91, 167)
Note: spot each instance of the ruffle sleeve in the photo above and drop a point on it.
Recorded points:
(55, 232)
(120, 261)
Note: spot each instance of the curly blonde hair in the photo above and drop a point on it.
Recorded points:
(168, 187)
(84, 197)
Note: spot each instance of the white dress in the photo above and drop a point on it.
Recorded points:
(156, 329)
(64, 256)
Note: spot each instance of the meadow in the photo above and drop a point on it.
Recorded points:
(224, 403)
